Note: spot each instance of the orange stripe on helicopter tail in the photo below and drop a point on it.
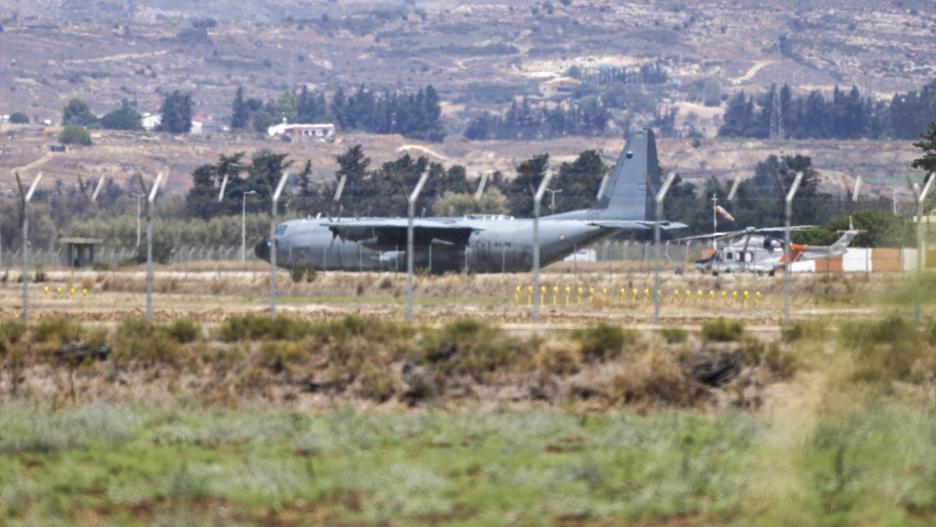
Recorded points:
(796, 250)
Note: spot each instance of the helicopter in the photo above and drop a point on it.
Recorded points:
(760, 250)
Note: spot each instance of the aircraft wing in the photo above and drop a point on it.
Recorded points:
(392, 232)
(635, 225)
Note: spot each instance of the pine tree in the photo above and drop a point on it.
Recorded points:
(927, 161)
(177, 113)
(239, 110)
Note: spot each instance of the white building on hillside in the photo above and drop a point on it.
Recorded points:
(151, 121)
(204, 124)
(318, 131)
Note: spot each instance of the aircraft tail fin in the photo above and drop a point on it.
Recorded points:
(632, 183)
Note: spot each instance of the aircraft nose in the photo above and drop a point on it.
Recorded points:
(262, 250)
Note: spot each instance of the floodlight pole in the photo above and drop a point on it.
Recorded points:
(150, 195)
(660, 196)
(25, 197)
(482, 181)
(787, 265)
(411, 212)
(273, 202)
(920, 261)
(537, 201)
(856, 190)
(138, 197)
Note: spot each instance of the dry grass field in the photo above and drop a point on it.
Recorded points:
(210, 291)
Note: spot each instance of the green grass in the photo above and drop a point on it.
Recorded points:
(140, 466)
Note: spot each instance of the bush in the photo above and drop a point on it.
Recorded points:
(262, 327)
(558, 357)
(674, 334)
(277, 355)
(810, 329)
(470, 347)
(138, 339)
(40, 276)
(58, 330)
(19, 118)
(655, 378)
(12, 330)
(297, 274)
(604, 341)
(184, 331)
(721, 330)
(884, 351)
(376, 382)
(74, 135)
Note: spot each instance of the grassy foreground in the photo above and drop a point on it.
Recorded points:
(828, 425)
(101, 464)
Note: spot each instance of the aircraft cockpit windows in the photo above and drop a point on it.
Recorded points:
(281, 229)
(730, 256)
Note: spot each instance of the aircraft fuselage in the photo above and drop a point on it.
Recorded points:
(498, 245)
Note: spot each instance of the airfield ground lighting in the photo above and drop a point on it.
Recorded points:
(25, 197)
(660, 196)
(273, 202)
(920, 196)
(411, 211)
(787, 264)
(150, 194)
(537, 202)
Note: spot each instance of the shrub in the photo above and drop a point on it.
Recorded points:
(262, 327)
(811, 329)
(604, 341)
(469, 347)
(11, 332)
(74, 135)
(184, 331)
(40, 275)
(297, 274)
(884, 351)
(558, 357)
(58, 330)
(655, 378)
(376, 382)
(674, 334)
(721, 330)
(277, 355)
(138, 339)
(19, 118)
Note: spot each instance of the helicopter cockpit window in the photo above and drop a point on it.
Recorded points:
(730, 256)
(281, 229)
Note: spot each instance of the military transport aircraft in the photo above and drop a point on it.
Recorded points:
(480, 244)
(759, 251)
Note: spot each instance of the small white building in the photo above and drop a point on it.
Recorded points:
(318, 131)
(204, 124)
(559, 87)
(151, 121)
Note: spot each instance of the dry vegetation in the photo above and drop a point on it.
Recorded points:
(279, 421)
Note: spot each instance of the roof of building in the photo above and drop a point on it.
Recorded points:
(80, 241)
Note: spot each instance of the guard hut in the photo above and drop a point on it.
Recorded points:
(79, 252)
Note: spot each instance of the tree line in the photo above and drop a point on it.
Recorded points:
(524, 121)
(199, 219)
(417, 115)
(847, 115)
